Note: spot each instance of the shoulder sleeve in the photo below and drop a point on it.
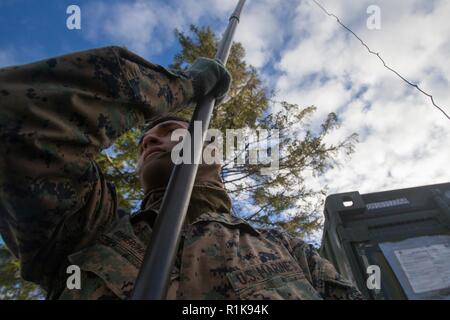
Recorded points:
(55, 116)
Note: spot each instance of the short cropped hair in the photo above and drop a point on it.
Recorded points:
(157, 121)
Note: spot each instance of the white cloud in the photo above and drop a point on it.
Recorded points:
(7, 57)
(146, 27)
(404, 139)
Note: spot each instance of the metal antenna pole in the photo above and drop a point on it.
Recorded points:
(153, 278)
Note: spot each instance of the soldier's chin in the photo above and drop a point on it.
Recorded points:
(155, 171)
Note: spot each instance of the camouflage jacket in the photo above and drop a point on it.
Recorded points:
(56, 209)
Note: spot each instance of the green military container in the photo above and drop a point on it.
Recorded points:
(404, 233)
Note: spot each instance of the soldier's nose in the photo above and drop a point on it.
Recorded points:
(151, 140)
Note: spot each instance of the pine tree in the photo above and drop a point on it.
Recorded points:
(281, 199)
(12, 286)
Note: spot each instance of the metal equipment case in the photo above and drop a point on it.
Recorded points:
(405, 232)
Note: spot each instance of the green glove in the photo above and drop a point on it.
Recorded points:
(209, 76)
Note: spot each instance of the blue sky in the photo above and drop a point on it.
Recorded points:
(303, 55)
(32, 30)
(36, 29)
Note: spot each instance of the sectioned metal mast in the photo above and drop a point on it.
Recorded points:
(152, 281)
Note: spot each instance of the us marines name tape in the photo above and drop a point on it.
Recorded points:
(256, 274)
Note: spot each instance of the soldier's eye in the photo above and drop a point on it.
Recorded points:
(170, 129)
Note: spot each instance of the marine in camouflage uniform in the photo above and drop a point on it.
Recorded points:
(56, 209)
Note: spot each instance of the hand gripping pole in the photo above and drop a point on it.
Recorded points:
(153, 277)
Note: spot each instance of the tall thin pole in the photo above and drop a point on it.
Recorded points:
(153, 278)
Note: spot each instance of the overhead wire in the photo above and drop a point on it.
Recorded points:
(381, 59)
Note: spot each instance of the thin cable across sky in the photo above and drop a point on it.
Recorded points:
(382, 60)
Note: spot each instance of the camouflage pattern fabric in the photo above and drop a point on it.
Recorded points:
(56, 209)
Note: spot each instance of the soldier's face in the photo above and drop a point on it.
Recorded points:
(157, 140)
(154, 155)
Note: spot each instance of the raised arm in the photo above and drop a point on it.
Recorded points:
(55, 116)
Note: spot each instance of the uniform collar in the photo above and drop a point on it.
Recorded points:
(206, 197)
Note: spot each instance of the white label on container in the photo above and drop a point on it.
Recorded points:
(427, 268)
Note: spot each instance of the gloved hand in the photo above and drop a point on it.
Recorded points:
(209, 76)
